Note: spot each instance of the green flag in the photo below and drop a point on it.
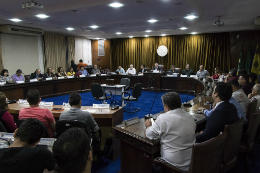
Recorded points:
(248, 60)
(256, 64)
(241, 62)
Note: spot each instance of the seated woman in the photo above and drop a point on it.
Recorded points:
(5, 117)
(61, 72)
(216, 74)
(50, 73)
(5, 77)
(71, 72)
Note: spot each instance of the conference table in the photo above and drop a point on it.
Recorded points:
(136, 149)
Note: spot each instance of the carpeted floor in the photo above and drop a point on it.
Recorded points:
(144, 103)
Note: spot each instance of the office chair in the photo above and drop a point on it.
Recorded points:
(2, 127)
(126, 82)
(98, 93)
(46, 133)
(136, 93)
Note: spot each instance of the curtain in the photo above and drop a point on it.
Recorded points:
(1, 56)
(71, 50)
(210, 50)
(54, 51)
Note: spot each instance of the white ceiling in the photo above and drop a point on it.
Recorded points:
(131, 19)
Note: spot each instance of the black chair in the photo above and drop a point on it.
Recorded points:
(136, 93)
(2, 127)
(98, 93)
(126, 82)
(46, 133)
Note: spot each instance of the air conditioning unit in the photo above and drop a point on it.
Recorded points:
(257, 23)
(11, 29)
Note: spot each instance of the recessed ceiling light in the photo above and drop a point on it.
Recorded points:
(97, 38)
(152, 21)
(148, 31)
(118, 33)
(163, 35)
(70, 29)
(42, 16)
(191, 17)
(183, 28)
(116, 5)
(16, 20)
(131, 36)
(194, 33)
(146, 35)
(94, 26)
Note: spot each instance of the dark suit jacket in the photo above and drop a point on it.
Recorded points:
(175, 71)
(247, 88)
(141, 70)
(225, 113)
(157, 68)
(188, 72)
(33, 75)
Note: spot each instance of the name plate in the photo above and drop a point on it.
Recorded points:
(61, 77)
(33, 80)
(103, 106)
(93, 75)
(49, 78)
(46, 104)
(140, 74)
(69, 77)
(194, 76)
(184, 75)
(19, 82)
(155, 71)
(2, 83)
(103, 74)
(82, 75)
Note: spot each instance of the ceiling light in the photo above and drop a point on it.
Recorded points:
(194, 33)
(118, 33)
(70, 29)
(152, 21)
(183, 28)
(148, 31)
(131, 36)
(16, 20)
(163, 35)
(190, 17)
(97, 38)
(146, 35)
(94, 26)
(116, 5)
(42, 16)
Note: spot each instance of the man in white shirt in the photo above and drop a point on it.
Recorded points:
(202, 73)
(239, 95)
(255, 95)
(131, 70)
(176, 128)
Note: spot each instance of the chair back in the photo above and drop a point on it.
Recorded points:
(252, 129)
(27, 78)
(2, 127)
(251, 109)
(96, 90)
(206, 156)
(233, 139)
(63, 125)
(179, 69)
(161, 66)
(137, 91)
(125, 81)
(46, 133)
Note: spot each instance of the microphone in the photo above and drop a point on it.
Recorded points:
(186, 104)
(149, 116)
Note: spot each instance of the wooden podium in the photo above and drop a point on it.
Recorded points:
(152, 80)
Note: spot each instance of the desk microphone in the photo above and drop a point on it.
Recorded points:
(149, 116)
(186, 104)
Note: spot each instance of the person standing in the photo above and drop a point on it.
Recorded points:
(81, 64)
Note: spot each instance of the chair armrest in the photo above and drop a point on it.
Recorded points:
(123, 93)
(159, 161)
(127, 88)
(107, 92)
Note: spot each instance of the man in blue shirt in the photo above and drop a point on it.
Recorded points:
(120, 70)
(83, 71)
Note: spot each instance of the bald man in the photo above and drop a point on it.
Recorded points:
(255, 95)
(36, 75)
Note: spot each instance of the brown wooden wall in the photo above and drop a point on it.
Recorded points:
(105, 60)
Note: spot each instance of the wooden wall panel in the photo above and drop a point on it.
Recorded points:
(105, 60)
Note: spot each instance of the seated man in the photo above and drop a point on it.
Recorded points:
(18, 76)
(176, 129)
(44, 115)
(232, 75)
(76, 114)
(81, 64)
(202, 73)
(106, 71)
(83, 71)
(188, 71)
(252, 78)
(223, 113)
(244, 83)
(72, 151)
(36, 75)
(239, 95)
(131, 70)
(173, 70)
(95, 70)
(142, 69)
(23, 155)
(255, 95)
(120, 70)
(156, 67)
